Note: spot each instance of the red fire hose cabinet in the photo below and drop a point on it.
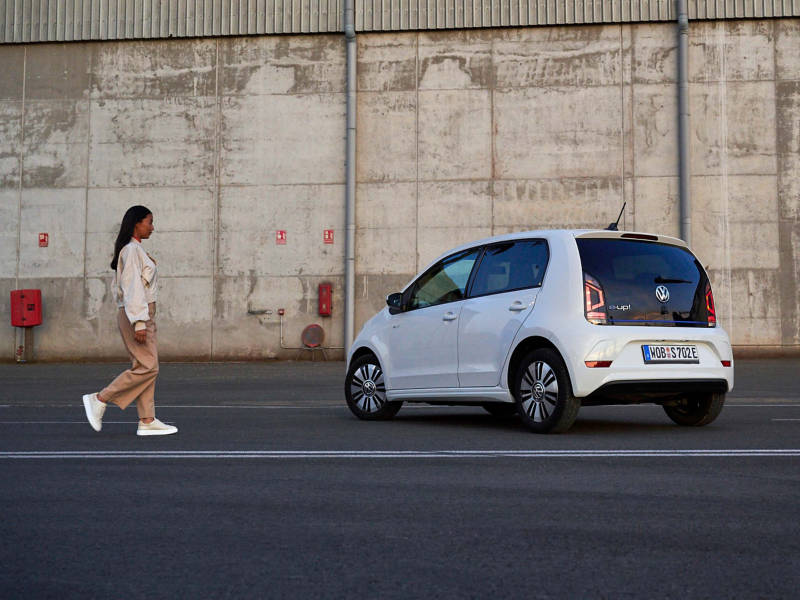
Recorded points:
(26, 308)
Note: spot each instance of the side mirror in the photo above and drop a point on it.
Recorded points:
(395, 303)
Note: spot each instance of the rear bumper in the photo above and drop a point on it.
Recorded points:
(580, 341)
(652, 390)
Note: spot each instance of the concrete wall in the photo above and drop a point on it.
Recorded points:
(461, 135)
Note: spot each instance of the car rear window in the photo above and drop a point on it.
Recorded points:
(646, 283)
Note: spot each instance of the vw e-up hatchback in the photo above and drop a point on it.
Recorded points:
(542, 322)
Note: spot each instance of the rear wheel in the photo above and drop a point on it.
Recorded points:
(500, 409)
(698, 410)
(543, 392)
(365, 391)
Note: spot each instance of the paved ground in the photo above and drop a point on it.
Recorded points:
(272, 489)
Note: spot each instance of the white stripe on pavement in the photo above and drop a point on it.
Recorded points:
(405, 453)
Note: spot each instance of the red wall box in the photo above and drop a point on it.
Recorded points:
(26, 308)
(325, 299)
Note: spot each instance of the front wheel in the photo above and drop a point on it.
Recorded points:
(543, 393)
(365, 391)
(697, 410)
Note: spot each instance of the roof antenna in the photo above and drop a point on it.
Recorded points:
(613, 226)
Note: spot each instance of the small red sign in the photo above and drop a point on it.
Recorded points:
(43, 240)
(280, 237)
(328, 237)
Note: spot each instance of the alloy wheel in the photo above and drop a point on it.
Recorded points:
(368, 388)
(539, 391)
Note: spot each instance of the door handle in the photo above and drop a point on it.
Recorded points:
(517, 306)
(449, 317)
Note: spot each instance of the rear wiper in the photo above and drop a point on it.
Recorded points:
(661, 279)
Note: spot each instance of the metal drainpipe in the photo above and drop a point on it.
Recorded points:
(683, 123)
(350, 179)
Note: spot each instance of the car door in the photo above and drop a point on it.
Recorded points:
(424, 337)
(501, 296)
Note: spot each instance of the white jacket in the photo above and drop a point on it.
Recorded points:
(135, 283)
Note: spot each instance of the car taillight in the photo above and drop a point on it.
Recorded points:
(594, 300)
(711, 311)
(598, 364)
(726, 363)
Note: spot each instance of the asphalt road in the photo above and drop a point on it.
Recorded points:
(271, 489)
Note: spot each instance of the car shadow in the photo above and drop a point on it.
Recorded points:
(582, 426)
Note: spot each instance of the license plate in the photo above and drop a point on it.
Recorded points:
(655, 354)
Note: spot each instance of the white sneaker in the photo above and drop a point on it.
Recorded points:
(156, 428)
(94, 411)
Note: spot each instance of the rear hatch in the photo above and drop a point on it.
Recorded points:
(636, 280)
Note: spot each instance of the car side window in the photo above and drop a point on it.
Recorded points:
(445, 282)
(510, 266)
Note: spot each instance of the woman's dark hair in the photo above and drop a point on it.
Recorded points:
(133, 215)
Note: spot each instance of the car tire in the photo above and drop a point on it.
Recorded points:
(543, 393)
(500, 409)
(700, 409)
(365, 391)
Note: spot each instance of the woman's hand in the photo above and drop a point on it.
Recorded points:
(141, 336)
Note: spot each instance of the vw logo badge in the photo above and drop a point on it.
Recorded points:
(662, 294)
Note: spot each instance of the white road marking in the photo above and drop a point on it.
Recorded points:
(786, 419)
(70, 422)
(281, 454)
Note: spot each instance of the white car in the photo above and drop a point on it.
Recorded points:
(541, 322)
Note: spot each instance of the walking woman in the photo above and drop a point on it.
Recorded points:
(135, 288)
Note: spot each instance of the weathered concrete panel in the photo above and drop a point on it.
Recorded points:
(584, 141)
(455, 204)
(388, 251)
(787, 42)
(387, 62)
(58, 71)
(154, 69)
(749, 305)
(80, 320)
(7, 334)
(62, 214)
(732, 128)
(282, 139)
(657, 206)
(10, 143)
(535, 57)
(454, 63)
(174, 209)
(386, 124)
(386, 206)
(655, 54)
(655, 127)
(238, 334)
(56, 144)
(455, 134)
(145, 142)
(183, 317)
(11, 76)
(790, 282)
(255, 66)
(788, 147)
(731, 51)
(250, 217)
(735, 222)
(9, 217)
(371, 292)
(557, 203)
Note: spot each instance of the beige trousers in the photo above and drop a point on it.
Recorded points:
(139, 382)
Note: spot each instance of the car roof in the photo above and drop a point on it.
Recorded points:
(559, 233)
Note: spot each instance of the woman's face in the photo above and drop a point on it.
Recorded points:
(144, 228)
